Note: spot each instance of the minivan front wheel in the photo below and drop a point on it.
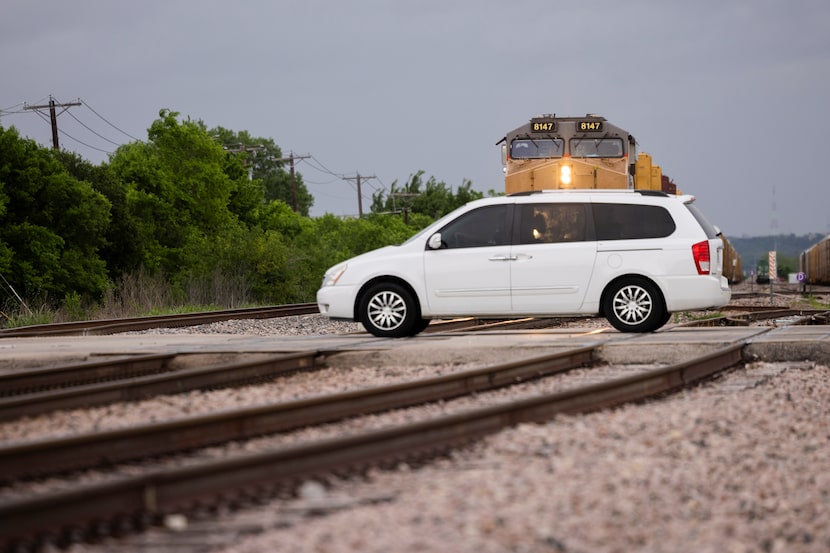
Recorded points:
(634, 305)
(389, 310)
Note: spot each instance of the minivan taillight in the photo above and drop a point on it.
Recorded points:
(700, 252)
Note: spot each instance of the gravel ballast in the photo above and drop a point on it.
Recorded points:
(738, 465)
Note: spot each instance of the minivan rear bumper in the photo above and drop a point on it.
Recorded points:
(686, 293)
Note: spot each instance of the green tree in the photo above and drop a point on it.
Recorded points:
(121, 248)
(182, 191)
(52, 225)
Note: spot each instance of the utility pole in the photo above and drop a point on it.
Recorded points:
(241, 148)
(291, 159)
(53, 116)
(405, 196)
(359, 195)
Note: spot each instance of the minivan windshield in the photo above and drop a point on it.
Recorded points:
(432, 227)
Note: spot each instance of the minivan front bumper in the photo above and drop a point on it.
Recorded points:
(336, 302)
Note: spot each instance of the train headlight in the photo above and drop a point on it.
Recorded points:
(565, 174)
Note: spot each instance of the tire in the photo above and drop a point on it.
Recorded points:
(634, 305)
(420, 326)
(389, 310)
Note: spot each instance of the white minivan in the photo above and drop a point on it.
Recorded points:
(631, 256)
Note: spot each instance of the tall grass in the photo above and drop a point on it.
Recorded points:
(135, 295)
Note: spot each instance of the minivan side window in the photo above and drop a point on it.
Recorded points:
(629, 221)
(549, 223)
(486, 226)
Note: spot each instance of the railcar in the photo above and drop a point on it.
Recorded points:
(815, 262)
(732, 268)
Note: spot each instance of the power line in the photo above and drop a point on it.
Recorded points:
(92, 131)
(69, 136)
(108, 123)
(11, 110)
(323, 168)
(66, 134)
(53, 115)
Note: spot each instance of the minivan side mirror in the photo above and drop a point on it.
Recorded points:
(434, 242)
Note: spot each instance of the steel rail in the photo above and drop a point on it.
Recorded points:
(112, 326)
(75, 374)
(747, 318)
(819, 318)
(173, 490)
(107, 447)
(173, 382)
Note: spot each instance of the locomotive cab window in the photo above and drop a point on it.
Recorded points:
(536, 148)
(596, 147)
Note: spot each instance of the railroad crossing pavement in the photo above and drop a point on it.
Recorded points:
(672, 344)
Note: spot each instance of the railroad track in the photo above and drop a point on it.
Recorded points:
(135, 377)
(785, 316)
(113, 326)
(101, 448)
(136, 324)
(131, 379)
(86, 510)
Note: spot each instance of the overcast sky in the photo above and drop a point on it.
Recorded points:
(729, 97)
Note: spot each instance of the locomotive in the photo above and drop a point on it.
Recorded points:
(552, 152)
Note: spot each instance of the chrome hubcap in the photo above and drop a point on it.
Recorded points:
(387, 310)
(632, 305)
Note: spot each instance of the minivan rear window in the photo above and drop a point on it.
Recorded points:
(631, 221)
(708, 228)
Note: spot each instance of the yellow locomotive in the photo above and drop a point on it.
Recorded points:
(551, 152)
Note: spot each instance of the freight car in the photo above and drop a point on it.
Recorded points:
(815, 262)
(551, 152)
(732, 268)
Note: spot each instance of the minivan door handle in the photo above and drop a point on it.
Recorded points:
(503, 258)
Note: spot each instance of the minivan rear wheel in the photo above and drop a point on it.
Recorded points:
(634, 305)
(389, 310)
